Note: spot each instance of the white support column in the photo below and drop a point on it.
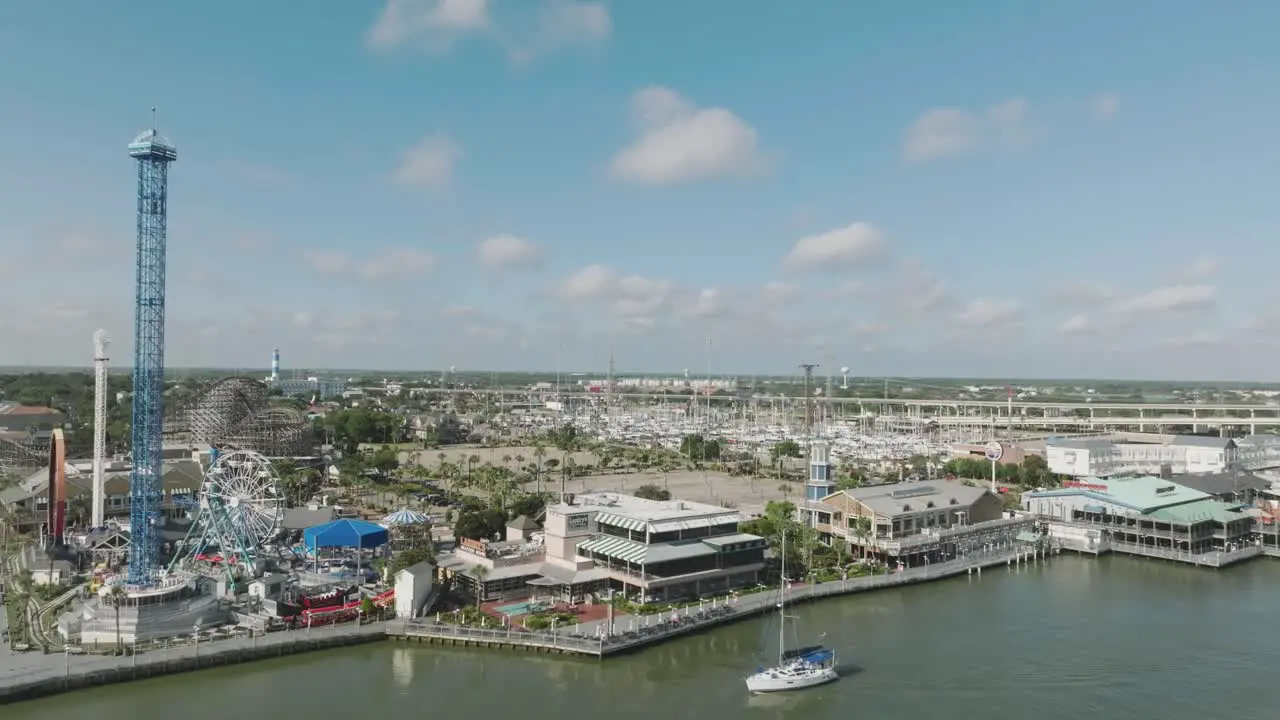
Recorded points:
(100, 342)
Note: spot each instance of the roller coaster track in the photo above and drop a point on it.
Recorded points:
(38, 619)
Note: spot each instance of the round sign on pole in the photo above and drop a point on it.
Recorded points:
(994, 451)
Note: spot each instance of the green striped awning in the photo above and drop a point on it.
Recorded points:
(615, 548)
(625, 523)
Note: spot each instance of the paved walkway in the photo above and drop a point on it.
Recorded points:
(21, 668)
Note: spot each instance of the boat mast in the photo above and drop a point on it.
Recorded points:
(782, 602)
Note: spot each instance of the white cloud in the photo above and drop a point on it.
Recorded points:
(778, 293)
(430, 162)
(988, 313)
(565, 21)
(1200, 339)
(1080, 293)
(382, 265)
(397, 262)
(590, 282)
(437, 25)
(1202, 268)
(1167, 299)
(637, 299)
(435, 22)
(682, 143)
(508, 251)
(837, 249)
(710, 302)
(1104, 107)
(944, 133)
(326, 262)
(916, 290)
(1077, 323)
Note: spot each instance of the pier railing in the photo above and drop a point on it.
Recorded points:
(71, 665)
(1216, 558)
(595, 638)
(557, 639)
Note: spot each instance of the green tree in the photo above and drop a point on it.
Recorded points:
(779, 519)
(697, 448)
(384, 460)
(528, 505)
(479, 523)
(786, 449)
(353, 427)
(650, 491)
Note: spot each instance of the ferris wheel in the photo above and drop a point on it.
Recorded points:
(239, 511)
(244, 484)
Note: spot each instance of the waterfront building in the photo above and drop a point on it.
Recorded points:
(592, 544)
(913, 523)
(1101, 457)
(1144, 515)
(1233, 486)
(655, 549)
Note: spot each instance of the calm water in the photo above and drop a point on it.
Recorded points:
(1115, 638)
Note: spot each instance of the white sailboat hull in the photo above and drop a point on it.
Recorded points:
(784, 679)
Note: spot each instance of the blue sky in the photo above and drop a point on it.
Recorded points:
(940, 188)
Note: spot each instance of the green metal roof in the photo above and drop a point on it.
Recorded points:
(1199, 511)
(1142, 494)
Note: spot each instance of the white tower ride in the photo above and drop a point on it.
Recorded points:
(275, 365)
(99, 427)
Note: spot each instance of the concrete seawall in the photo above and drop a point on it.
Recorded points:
(42, 675)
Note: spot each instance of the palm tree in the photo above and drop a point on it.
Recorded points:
(117, 596)
(862, 531)
(539, 452)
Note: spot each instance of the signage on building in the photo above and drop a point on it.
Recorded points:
(994, 451)
(1085, 485)
(577, 522)
(476, 547)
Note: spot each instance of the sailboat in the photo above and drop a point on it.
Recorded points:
(797, 668)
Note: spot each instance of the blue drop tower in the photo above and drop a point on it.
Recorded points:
(153, 153)
(820, 483)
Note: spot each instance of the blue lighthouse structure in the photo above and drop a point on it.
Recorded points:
(820, 482)
(153, 153)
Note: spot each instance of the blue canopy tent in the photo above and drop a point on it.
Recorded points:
(346, 533)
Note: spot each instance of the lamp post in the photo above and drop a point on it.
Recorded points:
(994, 451)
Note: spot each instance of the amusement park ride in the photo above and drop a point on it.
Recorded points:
(238, 513)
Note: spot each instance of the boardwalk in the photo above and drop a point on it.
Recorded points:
(630, 633)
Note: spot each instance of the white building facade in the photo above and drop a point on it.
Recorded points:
(1181, 454)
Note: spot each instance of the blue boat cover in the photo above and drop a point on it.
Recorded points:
(820, 656)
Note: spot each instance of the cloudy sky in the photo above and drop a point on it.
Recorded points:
(937, 188)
